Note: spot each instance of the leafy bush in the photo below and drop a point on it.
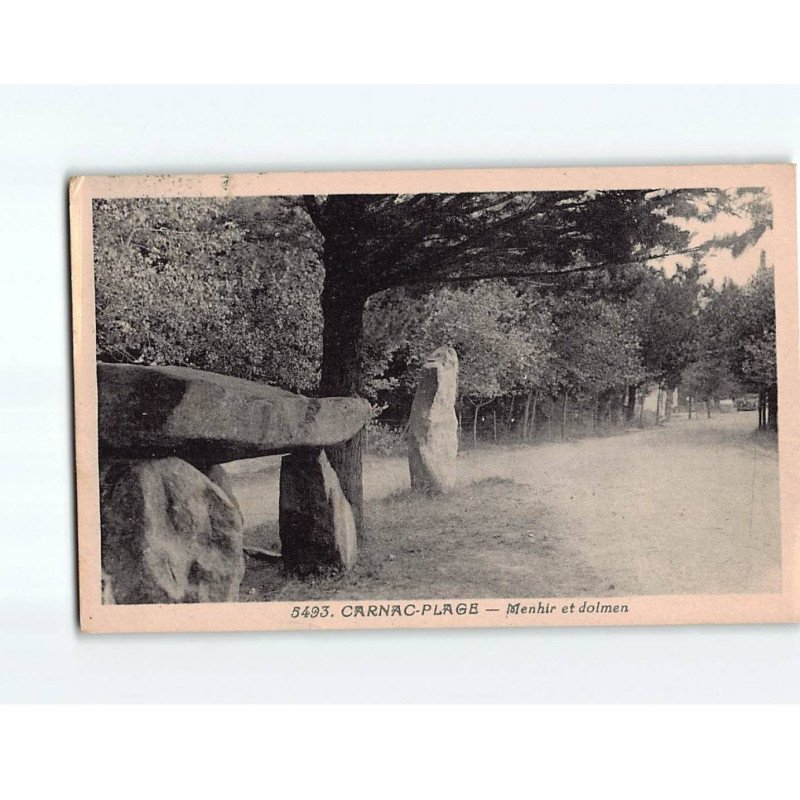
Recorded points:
(227, 285)
(381, 440)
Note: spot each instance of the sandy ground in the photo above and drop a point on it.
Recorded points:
(690, 507)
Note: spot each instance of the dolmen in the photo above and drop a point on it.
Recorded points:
(433, 426)
(170, 532)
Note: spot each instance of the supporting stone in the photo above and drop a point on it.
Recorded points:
(433, 426)
(169, 535)
(219, 475)
(316, 522)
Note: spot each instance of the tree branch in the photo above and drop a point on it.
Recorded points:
(546, 273)
(452, 251)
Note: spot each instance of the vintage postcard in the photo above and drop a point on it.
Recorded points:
(437, 399)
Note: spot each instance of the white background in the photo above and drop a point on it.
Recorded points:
(47, 135)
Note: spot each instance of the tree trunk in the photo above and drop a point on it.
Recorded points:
(772, 406)
(460, 424)
(475, 425)
(510, 416)
(708, 408)
(494, 425)
(342, 331)
(691, 402)
(525, 417)
(658, 403)
(630, 408)
(564, 417)
(532, 428)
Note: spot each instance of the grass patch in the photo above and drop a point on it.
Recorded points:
(487, 539)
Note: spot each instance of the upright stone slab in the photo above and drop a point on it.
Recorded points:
(169, 535)
(316, 522)
(433, 427)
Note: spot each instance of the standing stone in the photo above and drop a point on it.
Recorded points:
(168, 535)
(316, 522)
(433, 427)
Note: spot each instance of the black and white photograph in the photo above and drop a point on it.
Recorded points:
(407, 395)
(338, 401)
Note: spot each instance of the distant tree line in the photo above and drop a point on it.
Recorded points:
(522, 348)
(736, 349)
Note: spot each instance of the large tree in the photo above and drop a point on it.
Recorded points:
(374, 242)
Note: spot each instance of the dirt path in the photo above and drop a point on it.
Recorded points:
(690, 507)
